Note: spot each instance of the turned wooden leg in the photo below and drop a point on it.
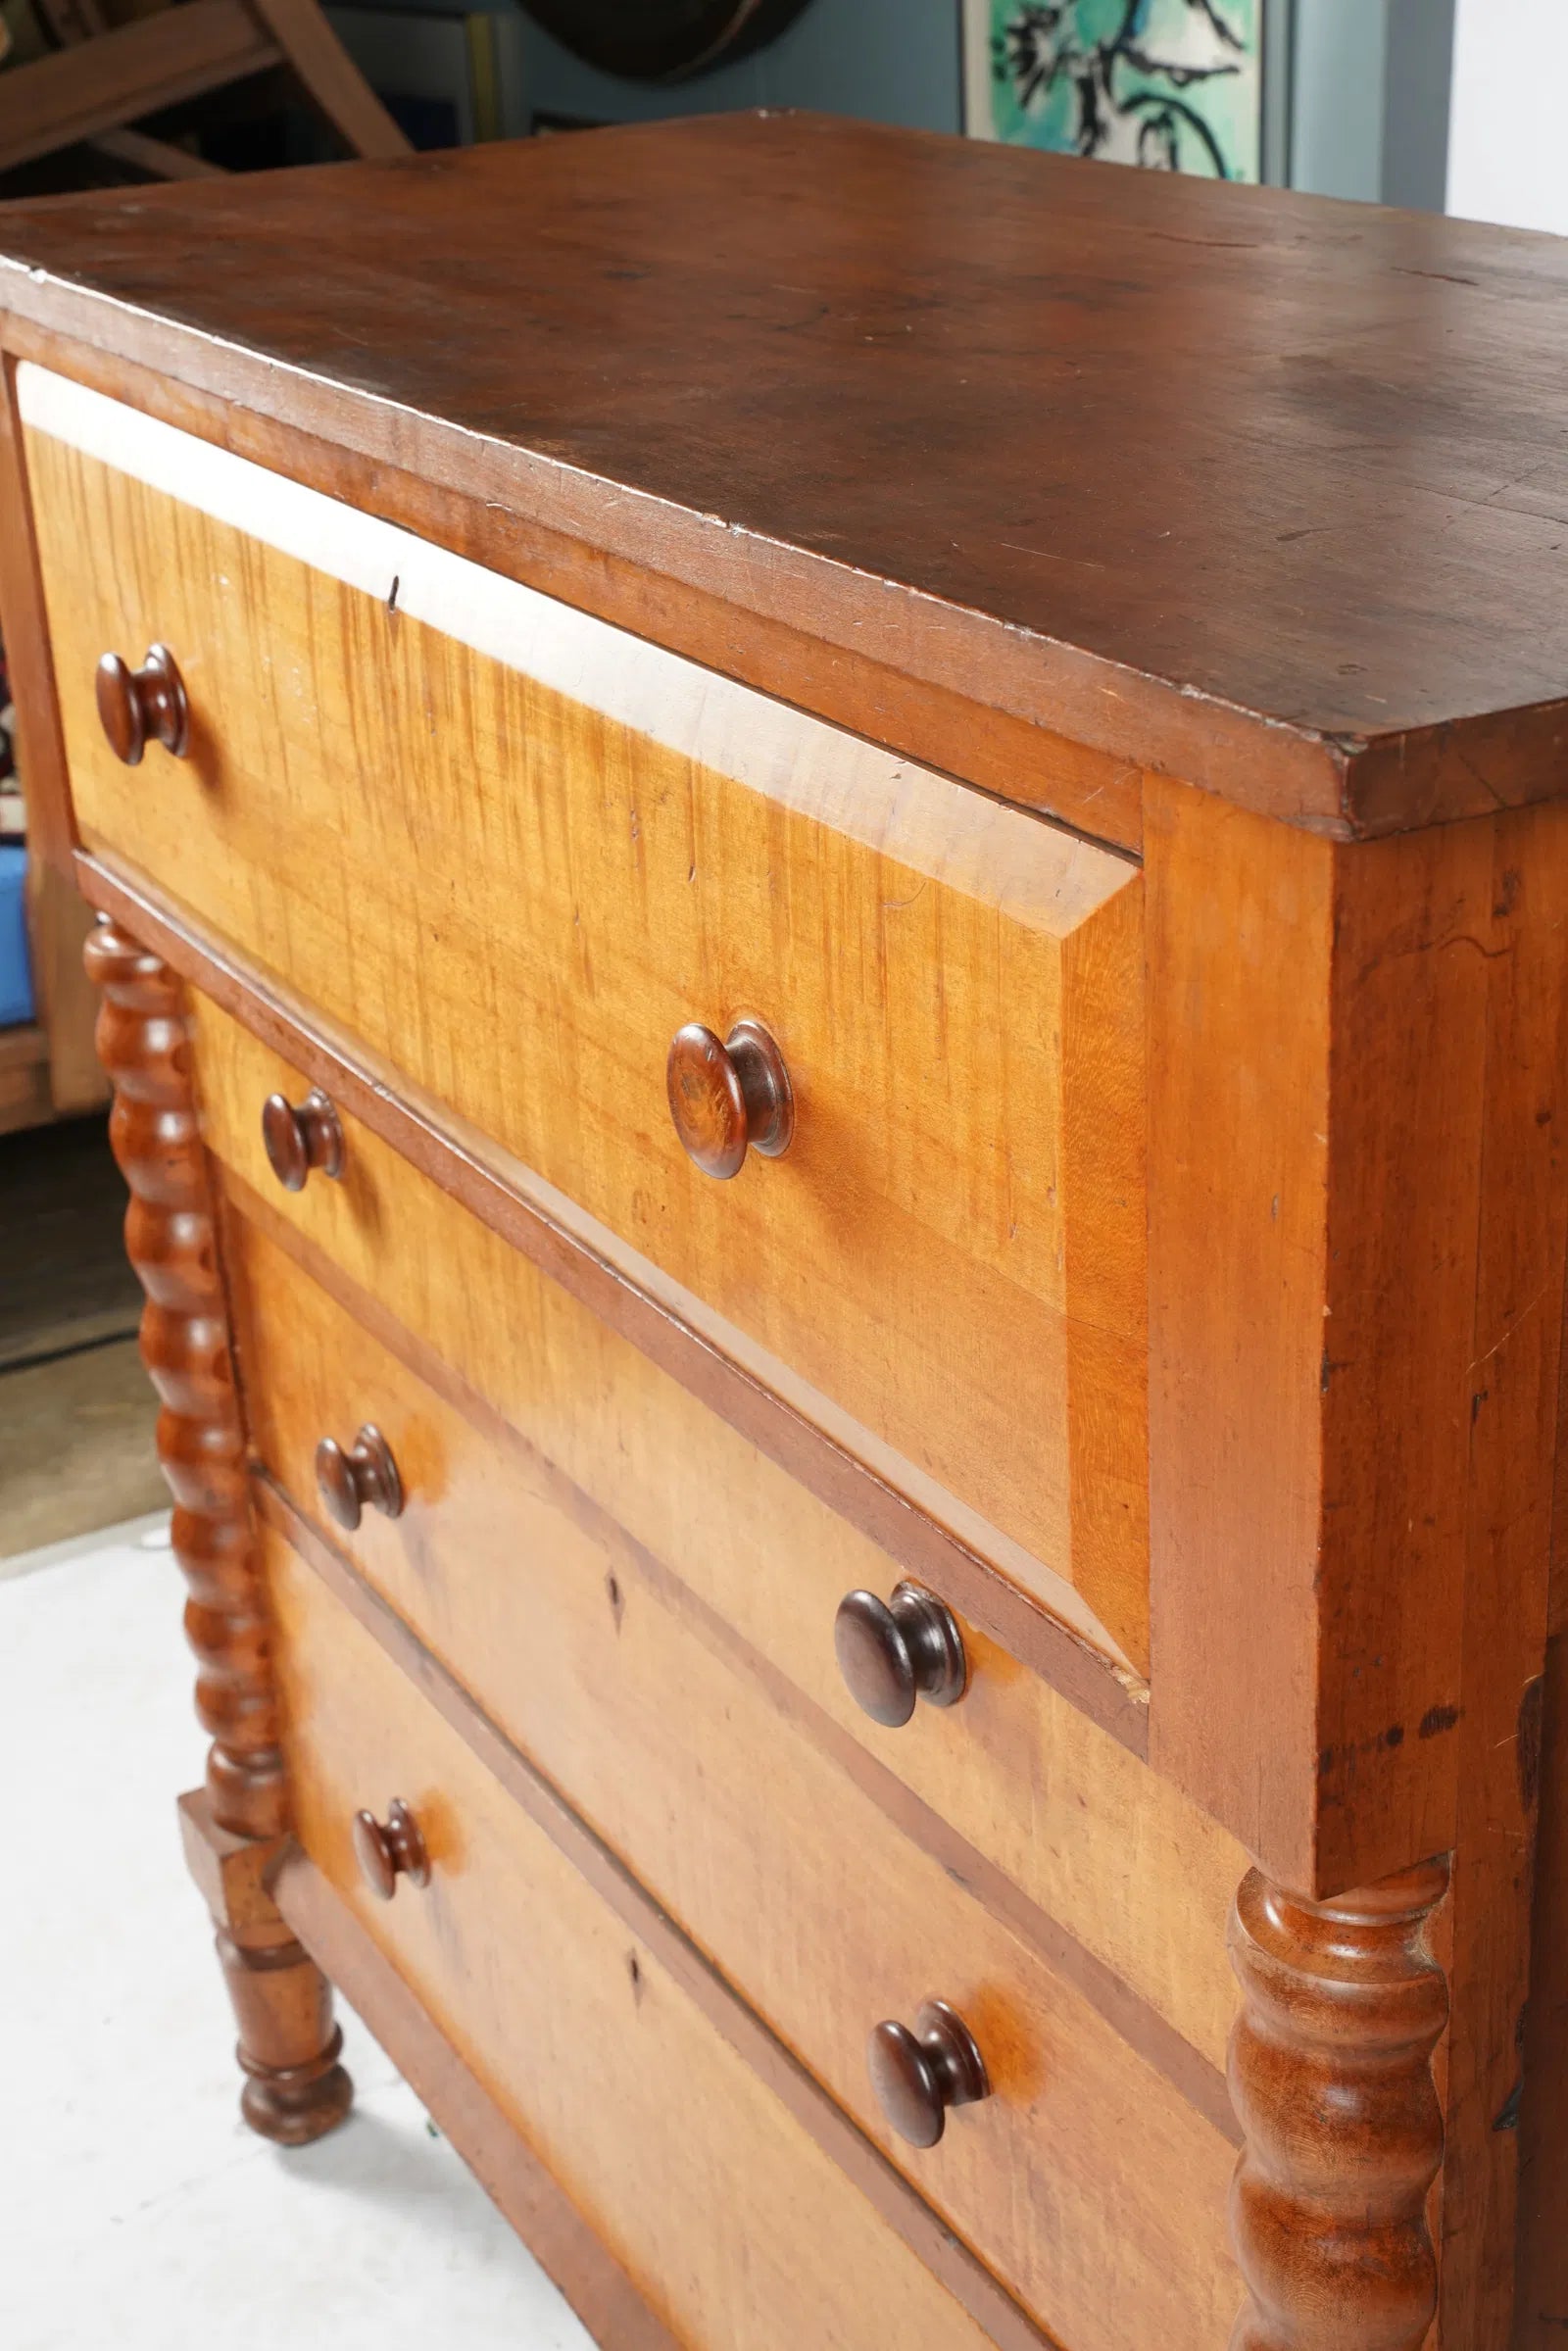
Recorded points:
(295, 2090)
(1331, 2075)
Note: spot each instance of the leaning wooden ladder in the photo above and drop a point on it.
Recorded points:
(105, 79)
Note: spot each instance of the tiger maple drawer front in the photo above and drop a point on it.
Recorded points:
(733, 2225)
(825, 1915)
(408, 783)
(1136, 1874)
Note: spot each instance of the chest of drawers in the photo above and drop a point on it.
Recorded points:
(835, 949)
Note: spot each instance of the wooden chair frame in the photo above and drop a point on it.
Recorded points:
(105, 79)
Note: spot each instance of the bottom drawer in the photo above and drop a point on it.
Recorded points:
(735, 2225)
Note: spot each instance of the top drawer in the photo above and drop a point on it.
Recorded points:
(513, 850)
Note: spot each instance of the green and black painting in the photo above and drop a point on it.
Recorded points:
(1172, 84)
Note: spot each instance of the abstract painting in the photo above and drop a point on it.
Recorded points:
(1176, 85)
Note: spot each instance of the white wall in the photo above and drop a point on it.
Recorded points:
(1507, 140)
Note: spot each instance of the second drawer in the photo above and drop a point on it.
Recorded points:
(697, 1770)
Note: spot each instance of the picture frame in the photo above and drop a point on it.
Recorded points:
(1169, 84)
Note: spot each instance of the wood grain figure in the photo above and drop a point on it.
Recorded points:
(658, 821)
(705, 1779)
(763, 1554)
(714, 2200)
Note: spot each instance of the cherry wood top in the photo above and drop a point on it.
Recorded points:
(1266, 491)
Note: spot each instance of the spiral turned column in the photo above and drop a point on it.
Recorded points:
(295, 2090)
(1331, 2076)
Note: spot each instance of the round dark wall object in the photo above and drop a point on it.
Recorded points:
(662, 40)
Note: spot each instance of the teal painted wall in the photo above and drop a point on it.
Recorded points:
(888, 60)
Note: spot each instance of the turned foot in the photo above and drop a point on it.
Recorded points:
(1331, 2076)
(295, 2090)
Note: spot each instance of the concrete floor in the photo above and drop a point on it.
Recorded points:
(137, 2208)
(78, 1412)
(77, 1445)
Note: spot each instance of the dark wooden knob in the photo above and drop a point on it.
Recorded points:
(363, 1477)
(138, 707)
(917, 2075)
(390, 1850)
(726, 1098)
(301, 1135)
(892, 1653)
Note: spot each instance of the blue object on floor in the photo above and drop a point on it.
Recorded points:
(16, 975)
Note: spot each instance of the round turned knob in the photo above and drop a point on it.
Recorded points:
(892, 1653)
(726, 1098)
(301, 1135)
(391, 1849)
(917, 2075)
(138, 707)
(363, 1477)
